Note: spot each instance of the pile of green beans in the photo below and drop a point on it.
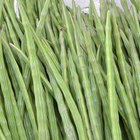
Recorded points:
(67, 75)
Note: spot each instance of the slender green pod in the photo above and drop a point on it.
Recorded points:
(19, 124)
(21, 83)
(68, 126)
(113, 107)
(54, 131)
(131, 121)
(63, 58)
(79, 95)
(43, 132)
(121, 62)
(72, 106)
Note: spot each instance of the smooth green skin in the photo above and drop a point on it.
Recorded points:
(21, 104)
(136, 3)
(54, 131)
(28, 127)
(8, 106)
(86, 86)
(2, 137)
(136, 90)
(113, 107)
(13, 36)
(122, 64)
(135, 59)
(52, 54)
(13, 79)
(52, 38)
(16, 87)
(27, 78)
(98, 24)
(22, 85)
(93, 56)
(6, 81)
(43, 132)
(132, 21)
(67, 95)
(135, 62)
(136, 27)
(125, 41)
(42, 19)
(4, 123)
(63, 58)
(96, 99)
(101, 87)
(25, 59)
(130, 118)
(13, 19)
(56, 9)
(69, 30)
(30, 8)
(79, 95)
(1, 6)
(133, 55)
(68, 126)
(103, 10)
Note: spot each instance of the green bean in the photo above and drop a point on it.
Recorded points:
(66, 74)
(19, 124)
(42, 19)
(13, 19)
(132, 123)
(103, 10)
(28, 127)
(96, 99)
(55, 22)
(55, 11)
(72, 106)
(135, 59)
(79, 96)
(52, 38)
(137, 26)
(13, 79)
(125, 41)
(2, 135)
(87, 89)
(74, 8)
(52, 117)
(12, 33)
(25, 59)
(30, 11)
(1, 5)
(136, 3)
(121, 63)
(14, 39)
(7, 98)
(68, 28)
(98, 24)
(22, 86)
(43, 132)
(113, 109)
(63, 58)
(51, 53)
(16, 87)
(4, 123)
(68, 127)
(100, 84)
(136, 90)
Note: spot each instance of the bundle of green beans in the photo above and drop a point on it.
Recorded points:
(67, 75)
